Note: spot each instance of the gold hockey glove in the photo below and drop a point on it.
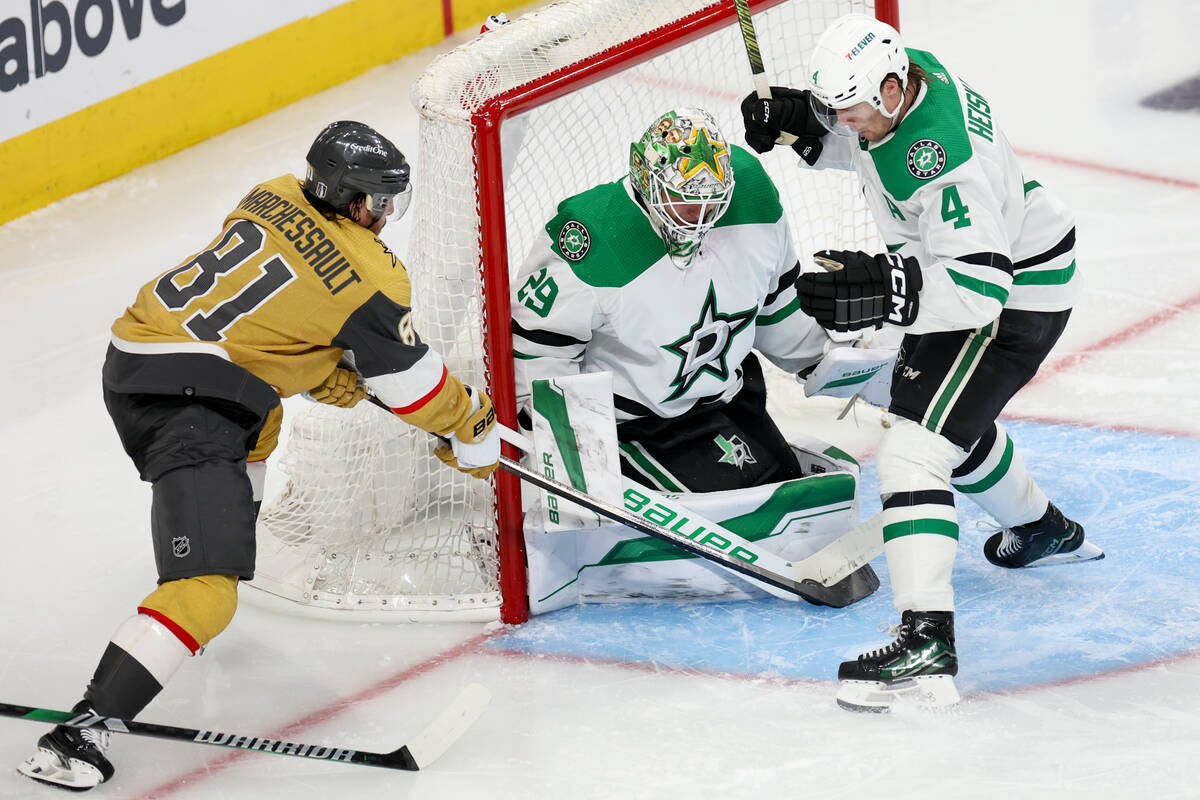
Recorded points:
(479, 424)
(341, 388)
(474, 448)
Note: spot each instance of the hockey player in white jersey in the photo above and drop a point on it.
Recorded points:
(668, 278)
(980, 274)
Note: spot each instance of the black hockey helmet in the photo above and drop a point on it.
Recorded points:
(349, 158)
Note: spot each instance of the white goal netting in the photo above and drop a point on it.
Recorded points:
(368, 520)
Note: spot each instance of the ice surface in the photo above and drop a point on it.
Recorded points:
(1079, 681)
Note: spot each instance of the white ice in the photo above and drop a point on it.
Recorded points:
(1065, 79)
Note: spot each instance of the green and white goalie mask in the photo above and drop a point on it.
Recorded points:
(680, 168)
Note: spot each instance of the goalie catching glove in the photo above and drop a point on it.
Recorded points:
(787, 111)
(342, 388)
(860, 291)
(474, 448)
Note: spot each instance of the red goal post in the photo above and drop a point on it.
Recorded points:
(512, 122)
(487, 121)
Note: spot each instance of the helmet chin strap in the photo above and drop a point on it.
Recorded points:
(895, 115)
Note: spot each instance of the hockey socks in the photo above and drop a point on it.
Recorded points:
(138, 662)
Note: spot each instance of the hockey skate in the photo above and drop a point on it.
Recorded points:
(70, 758)
(918, 668)
(1053, 539)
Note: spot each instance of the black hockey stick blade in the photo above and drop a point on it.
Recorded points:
(422, 751)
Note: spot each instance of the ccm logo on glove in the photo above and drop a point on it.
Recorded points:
(859, 290)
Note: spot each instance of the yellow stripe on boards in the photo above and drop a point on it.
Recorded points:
(211, 96)
(468, 15)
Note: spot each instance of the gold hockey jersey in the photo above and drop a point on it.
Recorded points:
(282, 292)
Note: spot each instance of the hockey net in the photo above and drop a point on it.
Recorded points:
(513, 122)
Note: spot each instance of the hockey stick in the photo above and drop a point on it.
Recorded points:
(416, 755)
(697, 535)
(688, 531)
(843, 555)
(707, 539)
(833, 562)
(761, 85)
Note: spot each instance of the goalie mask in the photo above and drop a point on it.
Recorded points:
(350, 158)
(681, 170)
(849, 64)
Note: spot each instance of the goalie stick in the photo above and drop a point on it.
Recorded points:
(708, 539)
(711, 541)
(416, 755)
(761, 85)
(827, 566)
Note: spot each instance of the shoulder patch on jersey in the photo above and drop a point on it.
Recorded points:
(604, 237)
(574, 241)
(926, 159)
(929, 141)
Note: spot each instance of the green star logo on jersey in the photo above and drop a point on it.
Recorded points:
(704, 348)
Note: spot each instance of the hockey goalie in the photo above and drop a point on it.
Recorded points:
(636, 320)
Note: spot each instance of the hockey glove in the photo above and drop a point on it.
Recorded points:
(474, 448)
(860, 290)
(786, 110)
(341, 388)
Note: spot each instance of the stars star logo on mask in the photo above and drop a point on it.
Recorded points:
(703, 153)
(705, 347)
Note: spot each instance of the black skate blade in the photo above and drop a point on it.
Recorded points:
(1086, 552)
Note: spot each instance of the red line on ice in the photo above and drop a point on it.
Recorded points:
(291, 729)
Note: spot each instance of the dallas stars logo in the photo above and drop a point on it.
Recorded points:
(734, 451)
(703, 153)
(704, 348)
(926, 158)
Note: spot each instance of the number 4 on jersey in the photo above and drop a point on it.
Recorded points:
(953, 208)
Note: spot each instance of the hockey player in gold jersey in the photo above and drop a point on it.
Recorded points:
(295, 282)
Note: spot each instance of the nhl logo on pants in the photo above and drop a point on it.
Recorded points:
(181, 546)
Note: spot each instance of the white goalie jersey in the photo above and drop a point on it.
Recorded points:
(599, 293)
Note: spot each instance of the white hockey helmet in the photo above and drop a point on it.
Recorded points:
(681, 169)
(849, 64)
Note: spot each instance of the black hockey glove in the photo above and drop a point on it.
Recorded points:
(786, 110)
(859, 290)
